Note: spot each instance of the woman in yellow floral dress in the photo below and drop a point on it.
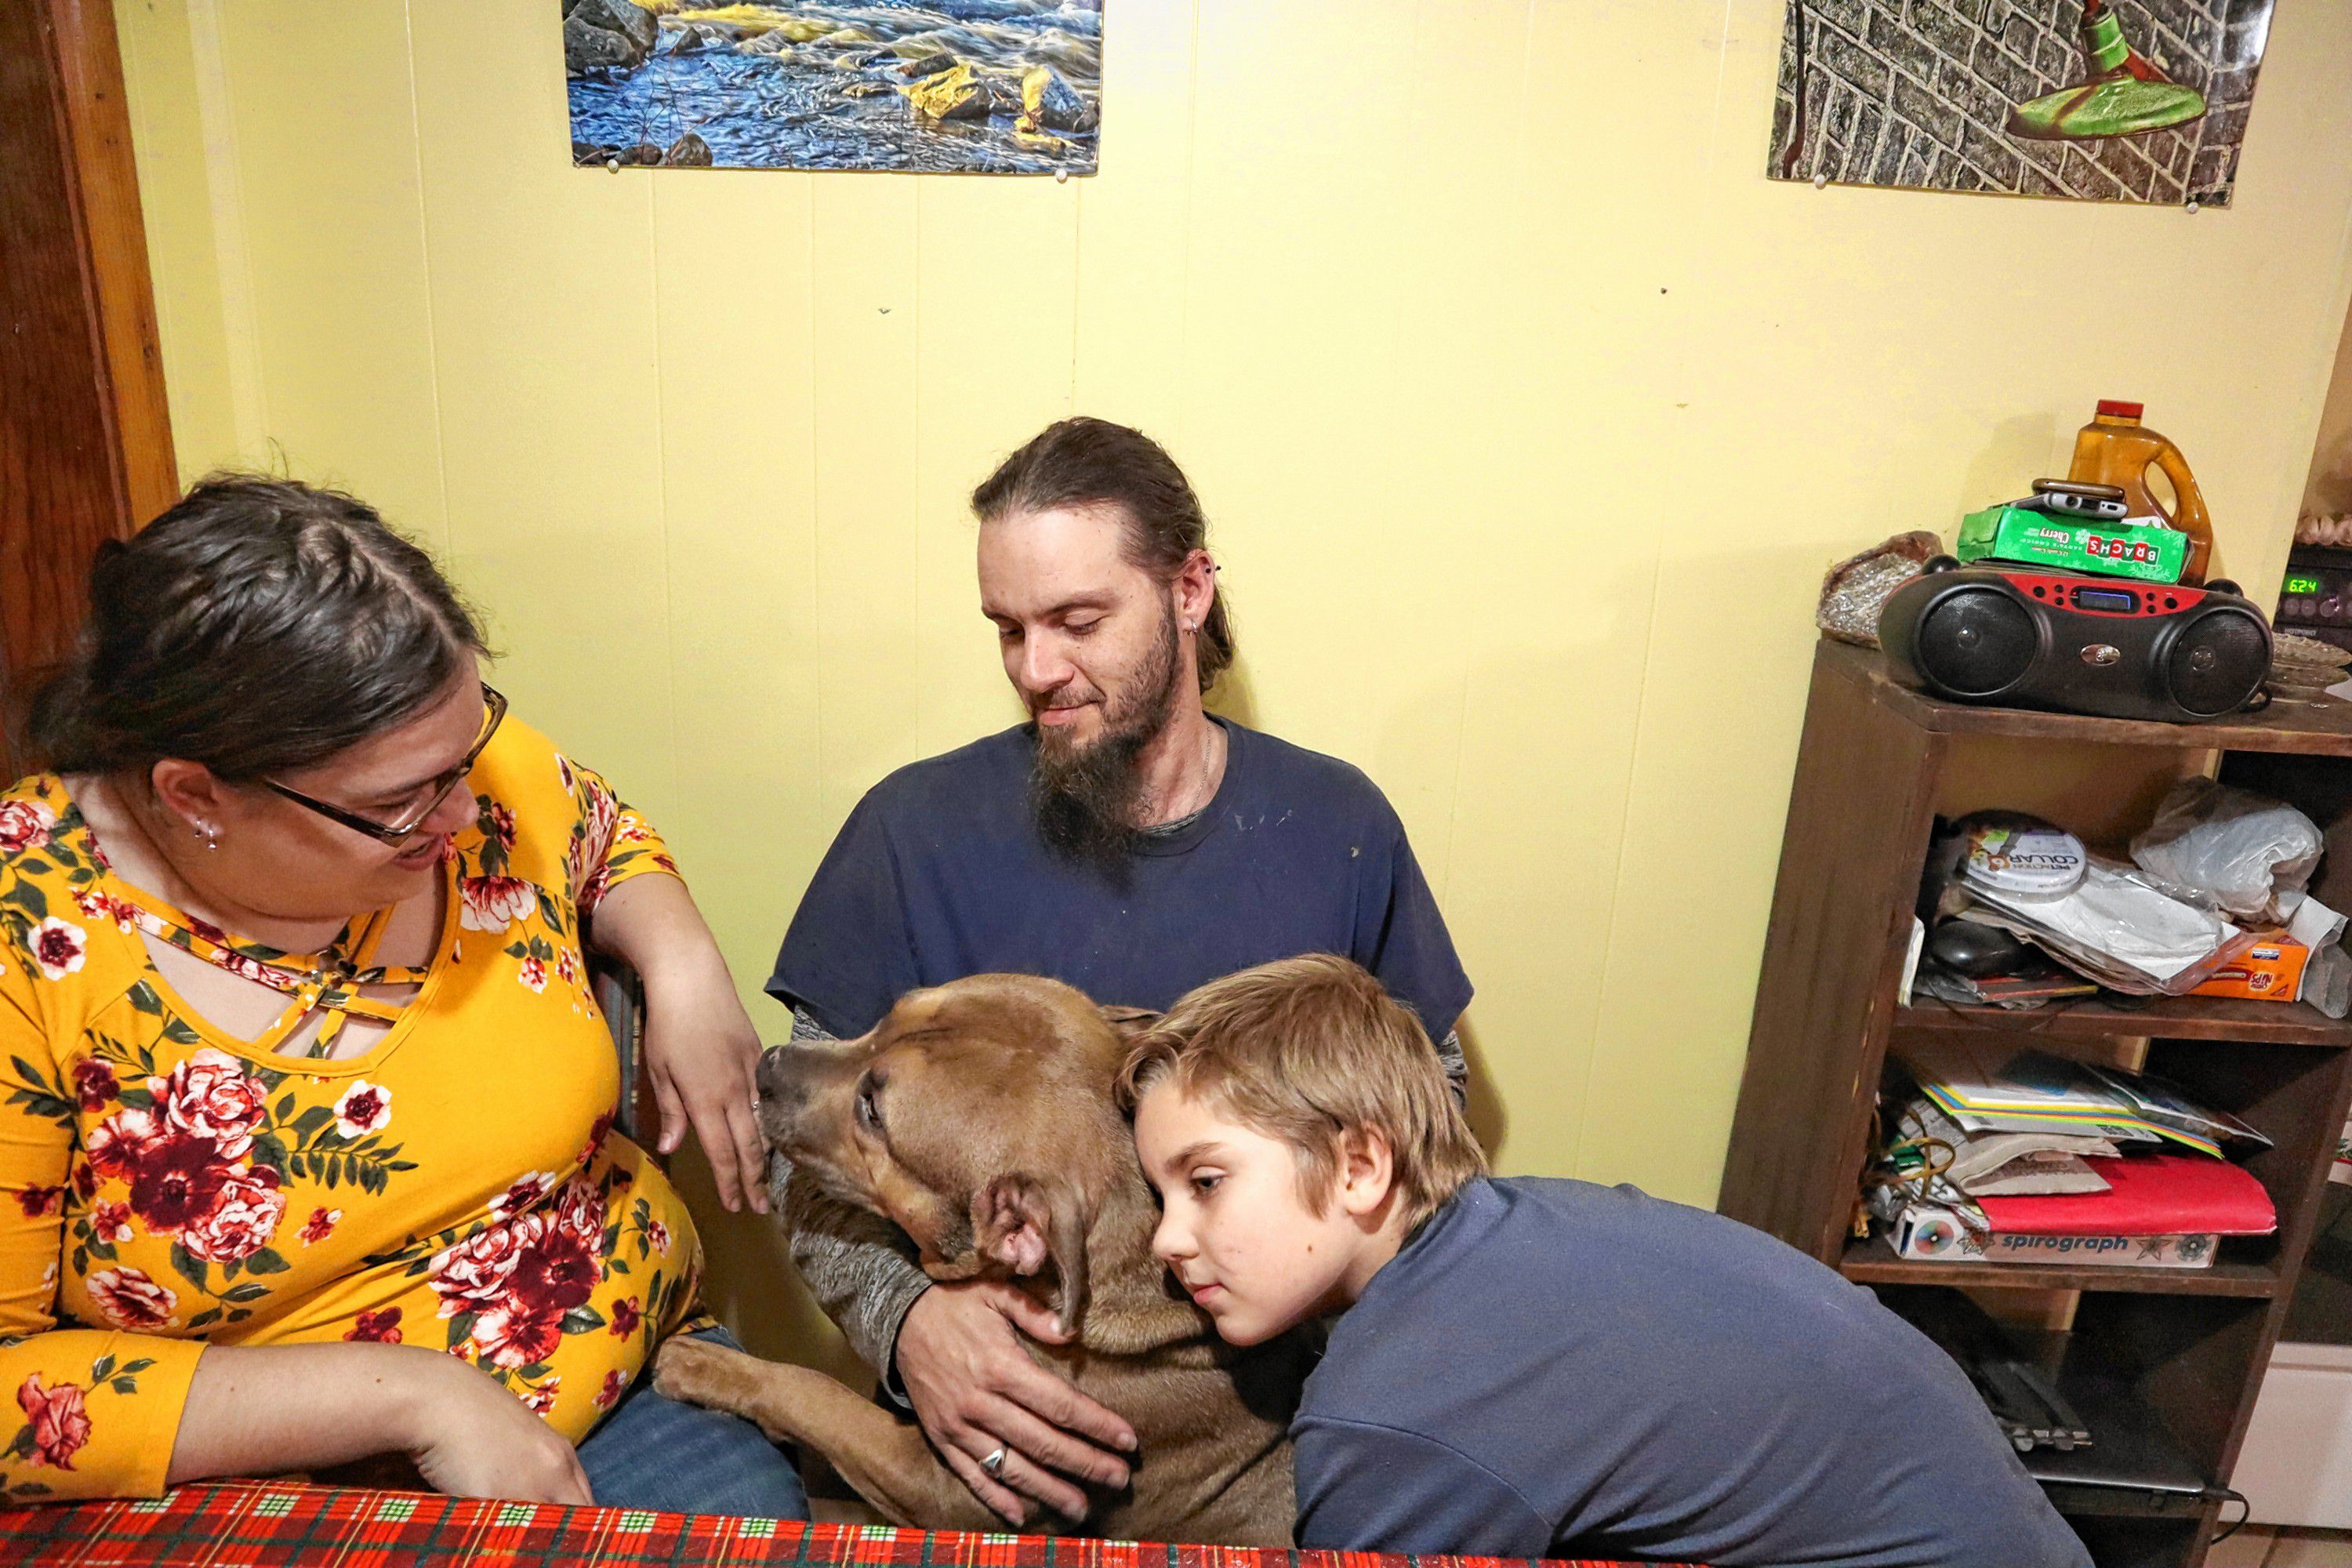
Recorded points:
(306, 1147)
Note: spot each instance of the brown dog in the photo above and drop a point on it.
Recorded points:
(978, 1117)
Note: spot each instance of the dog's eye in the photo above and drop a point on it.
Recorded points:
(869, 1108)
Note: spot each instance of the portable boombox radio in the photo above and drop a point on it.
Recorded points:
(2077, 645)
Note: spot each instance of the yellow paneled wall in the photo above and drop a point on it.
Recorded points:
(1527, 412)
(2328, 490)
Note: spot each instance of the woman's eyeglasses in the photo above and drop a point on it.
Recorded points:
(494, 709)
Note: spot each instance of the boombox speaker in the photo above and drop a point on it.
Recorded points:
(2077, 645)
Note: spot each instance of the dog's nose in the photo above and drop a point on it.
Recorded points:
(769, 1077)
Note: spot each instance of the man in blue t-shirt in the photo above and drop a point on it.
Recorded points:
(1123, 841)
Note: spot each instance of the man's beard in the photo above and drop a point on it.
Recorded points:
(1086, 798)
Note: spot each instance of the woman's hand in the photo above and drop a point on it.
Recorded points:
(701, 1054)
(469, 1437)
(261, 1409)
(702, 1057)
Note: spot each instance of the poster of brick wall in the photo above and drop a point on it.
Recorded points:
(2132, 100)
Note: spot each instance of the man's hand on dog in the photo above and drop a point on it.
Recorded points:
(974, 1387)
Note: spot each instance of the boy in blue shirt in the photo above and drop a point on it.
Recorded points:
(1533, 1367)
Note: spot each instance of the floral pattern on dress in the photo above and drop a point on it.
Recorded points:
(198, 1153)
(58, 1422)
(198, 1192)
(25, 823)
(546, 929)
(496, 903)
(512, 1288)
(608, 840)
(59, 947)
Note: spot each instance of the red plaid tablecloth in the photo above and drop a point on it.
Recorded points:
(246, 1525)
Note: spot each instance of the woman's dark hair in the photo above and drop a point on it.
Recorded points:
(259, 627)
(1090, 462)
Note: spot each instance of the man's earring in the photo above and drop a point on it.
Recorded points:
(209, 834)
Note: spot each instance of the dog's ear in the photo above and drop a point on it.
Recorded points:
(1127, 1023)
(1027, 1222)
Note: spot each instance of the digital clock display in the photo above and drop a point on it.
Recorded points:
(2298, 582)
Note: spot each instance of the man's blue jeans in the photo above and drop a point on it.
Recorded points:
(655, 1453)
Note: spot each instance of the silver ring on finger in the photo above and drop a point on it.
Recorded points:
(994, 1461)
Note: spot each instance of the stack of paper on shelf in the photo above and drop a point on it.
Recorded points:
(2056, 1161)
(1987, 1086)
(1986, 1164)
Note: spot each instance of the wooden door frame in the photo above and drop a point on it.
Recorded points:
(85, 432)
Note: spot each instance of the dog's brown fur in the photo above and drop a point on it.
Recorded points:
(997, 1148)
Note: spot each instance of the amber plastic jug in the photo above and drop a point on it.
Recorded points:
(2116, 448)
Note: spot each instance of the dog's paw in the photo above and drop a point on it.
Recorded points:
(689, 1370)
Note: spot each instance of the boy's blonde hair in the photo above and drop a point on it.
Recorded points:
(1305, 1050)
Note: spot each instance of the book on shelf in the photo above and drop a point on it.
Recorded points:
(2158, 1211)
(1924, 1233)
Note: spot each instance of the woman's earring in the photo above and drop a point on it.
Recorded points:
(209, 834)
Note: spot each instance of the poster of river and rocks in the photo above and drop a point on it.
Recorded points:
(985, 87)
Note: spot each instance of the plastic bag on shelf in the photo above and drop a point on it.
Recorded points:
(2230, 849)
(2120, 930)
(2327, 981)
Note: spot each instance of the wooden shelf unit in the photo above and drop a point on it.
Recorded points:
(1875, 759)
(2173, 1018)
(1872, 1262)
